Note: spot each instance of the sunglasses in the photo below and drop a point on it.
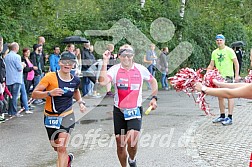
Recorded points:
(126, 55)
(69, 62)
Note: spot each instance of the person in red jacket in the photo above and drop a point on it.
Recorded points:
(3, 103)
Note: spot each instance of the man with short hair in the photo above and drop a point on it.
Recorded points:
(14, 73)
(54, 59)
(41, 41)
(127, 78)
(223, 58)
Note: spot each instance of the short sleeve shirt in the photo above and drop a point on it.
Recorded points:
(223, 60)
(128, 84)
(59, 104)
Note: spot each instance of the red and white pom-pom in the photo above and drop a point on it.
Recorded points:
(184, 80)
(209, 76)
(208, 81)
(203, 104)
(248, 78)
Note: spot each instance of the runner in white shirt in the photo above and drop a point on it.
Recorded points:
(127, 78)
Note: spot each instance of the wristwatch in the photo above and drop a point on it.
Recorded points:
(82, 102)
(154, 97)
(203, 89)
(49, 94)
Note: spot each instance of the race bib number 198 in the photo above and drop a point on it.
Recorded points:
(131, 113)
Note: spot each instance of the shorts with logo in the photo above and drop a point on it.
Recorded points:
(67, 125)
(121, 126)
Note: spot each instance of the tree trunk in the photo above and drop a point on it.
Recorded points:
(181, 14)
(142, 3)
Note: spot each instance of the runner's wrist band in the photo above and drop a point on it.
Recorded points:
(154, 97)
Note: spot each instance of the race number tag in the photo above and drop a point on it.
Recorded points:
(53, 122)
(131, 113)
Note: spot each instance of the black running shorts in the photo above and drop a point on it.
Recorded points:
(67, 125)
(121, 126)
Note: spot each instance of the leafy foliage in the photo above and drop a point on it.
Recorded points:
(24, 20)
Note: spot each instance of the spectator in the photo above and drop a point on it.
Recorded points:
(112, 60)
(150, 58)
(78, 63)
(3, 101)
(1, 44)
(71, 48)
(37, 60)
(87, 60)
(164, 68)
(239, 55)
(28, 72)
(223, 58)
(14, 71)
(4, 52)
(54, 59)
(28, 76)
(41, 41)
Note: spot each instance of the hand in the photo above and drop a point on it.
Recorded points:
(57, 92)
(166, 70)
(23, 64)
(82, 107)
(10, 97)
(35, 68)
(153, 103)
(216, 82)
(106, 55)
(198, 86)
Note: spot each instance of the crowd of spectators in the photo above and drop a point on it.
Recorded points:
(20, 74)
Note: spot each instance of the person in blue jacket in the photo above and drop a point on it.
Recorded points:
(54, 59)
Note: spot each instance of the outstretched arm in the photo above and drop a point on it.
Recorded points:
(228, 85)
(240, 92)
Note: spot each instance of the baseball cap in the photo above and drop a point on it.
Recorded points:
(67, 56)
(220, 36)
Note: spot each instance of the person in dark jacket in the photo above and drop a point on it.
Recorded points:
(87, 60)
(4, 51)
(239, 55)
(164, 68)
(37, 60)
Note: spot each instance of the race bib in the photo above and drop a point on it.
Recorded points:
(132, 113)
(53, 122)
